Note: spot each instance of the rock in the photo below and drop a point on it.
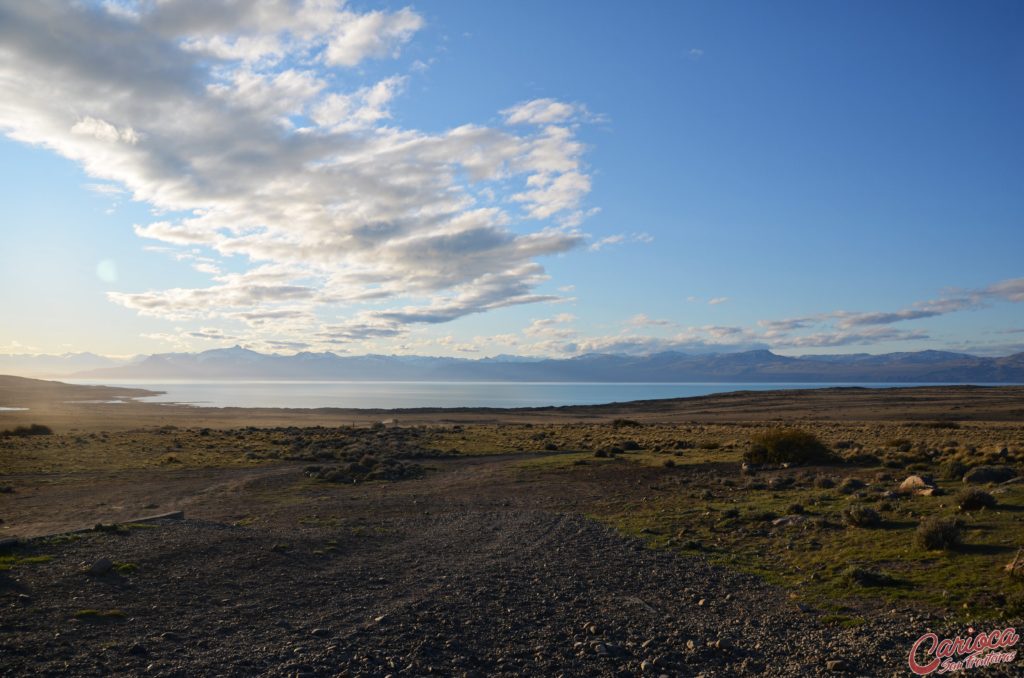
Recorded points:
(138, 649)
(170, 636)
(915, 483)
(989, 474)
(690, 645)
(702, 602)
(321, 633)
(837, 665)
(646, 665)
(24, 599)
(786, 521)
(101, 567)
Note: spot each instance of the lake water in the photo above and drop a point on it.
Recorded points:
(377, 394)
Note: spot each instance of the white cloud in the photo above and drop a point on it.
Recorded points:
(104, 131)
(620, 239)
(717, 300)
(540, 112)
(375, 34)
(643, 320)
(231, 121)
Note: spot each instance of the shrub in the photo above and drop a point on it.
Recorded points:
(788, 445)
(863, 459)
(943, 424)
(938, 534)
(626, 423)
(1013, 605)
(851, 485)
(31, 430)
(865, 577)
(669, 463)
(973, 499)
(824, 483)
(629, 445)
(861, 516)
(953, 469)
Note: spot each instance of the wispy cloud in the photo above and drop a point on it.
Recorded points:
(620, 239)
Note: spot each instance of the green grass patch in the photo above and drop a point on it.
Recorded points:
(9, 562)
(823, 558)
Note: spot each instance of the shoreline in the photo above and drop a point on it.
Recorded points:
(65, 406)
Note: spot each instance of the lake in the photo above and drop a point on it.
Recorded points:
(378, 394)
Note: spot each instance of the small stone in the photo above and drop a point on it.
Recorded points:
(101, 567)
(24, 599)
(170, 636)
(837, 665)
(646, 665)
(321, 633)
(647, 643)
(690, 645)
(700, 603)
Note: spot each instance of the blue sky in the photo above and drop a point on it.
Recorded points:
(465, 178)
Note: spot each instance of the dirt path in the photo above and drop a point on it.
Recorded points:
(475, 570)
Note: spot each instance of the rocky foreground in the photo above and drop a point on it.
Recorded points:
(465, 573)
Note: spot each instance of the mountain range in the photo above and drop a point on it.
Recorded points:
(238, 363)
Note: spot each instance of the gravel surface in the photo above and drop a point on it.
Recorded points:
(468, 572)
(466, 593)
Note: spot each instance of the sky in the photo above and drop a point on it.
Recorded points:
(471, 179)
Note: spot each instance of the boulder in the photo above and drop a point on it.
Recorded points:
(989, 474)
(914, 483)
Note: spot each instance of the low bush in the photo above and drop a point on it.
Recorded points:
(953, 469)
(861, 576)
(788, 445)
(851, 485)
(861, 516)
(31, 430)
(938, 534)
(973, 500)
